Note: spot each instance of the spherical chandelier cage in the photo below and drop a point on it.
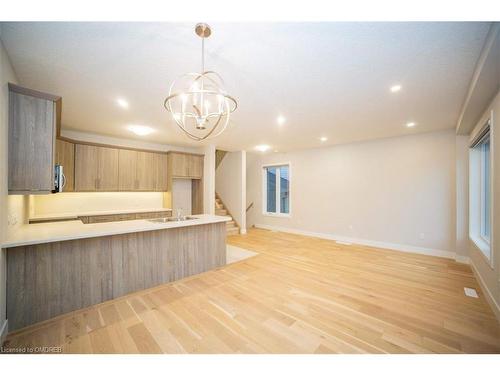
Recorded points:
(199, 104)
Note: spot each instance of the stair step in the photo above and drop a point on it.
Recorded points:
(230, 224)
(232, 231)
(221, 212)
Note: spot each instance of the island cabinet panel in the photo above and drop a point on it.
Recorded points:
(33, 125)
(47, 280)
(65, 156)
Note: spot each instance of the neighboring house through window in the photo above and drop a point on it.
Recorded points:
(276, 181)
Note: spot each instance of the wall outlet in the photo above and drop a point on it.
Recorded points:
(12, 219)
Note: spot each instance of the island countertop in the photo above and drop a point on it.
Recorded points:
(32, 234)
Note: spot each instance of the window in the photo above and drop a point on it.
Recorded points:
(480, 191)
(277, 190)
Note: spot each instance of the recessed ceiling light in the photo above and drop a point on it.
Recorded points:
(323, 139)
(122, 103)
(281, 120)
(396, 88)
(262, 148)
(140, 129)
(410, 124)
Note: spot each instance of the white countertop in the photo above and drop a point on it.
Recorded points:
(76, 215)
(32, 234)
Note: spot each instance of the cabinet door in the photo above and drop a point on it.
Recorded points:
(161, 167)
(127, 170)
(179, 165)
(65, 156)
(31, 144)
(107, 169)
(195, 166)
(146, 173)
(86, 167)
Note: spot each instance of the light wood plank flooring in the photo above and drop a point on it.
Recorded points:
(299, 295)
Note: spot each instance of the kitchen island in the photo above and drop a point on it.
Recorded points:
(55, 268)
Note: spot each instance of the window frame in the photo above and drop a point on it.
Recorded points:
(278, 186)
(476, 191)
(482, 188)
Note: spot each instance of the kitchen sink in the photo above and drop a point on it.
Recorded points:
(169, 219)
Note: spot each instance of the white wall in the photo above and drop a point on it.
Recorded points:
(396, 191)
(209, 180)
(462, 196)
(8, 204)
(124, 142)
(489, 275)
(230, 184)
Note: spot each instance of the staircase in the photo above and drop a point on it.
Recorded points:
(220, 209)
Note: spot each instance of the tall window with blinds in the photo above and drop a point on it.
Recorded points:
(276, 190)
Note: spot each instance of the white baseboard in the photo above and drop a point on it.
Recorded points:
(462, 259)
(487, 293)
(383, 245)
(3, 331)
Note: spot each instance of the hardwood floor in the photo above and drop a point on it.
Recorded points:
(299, 295)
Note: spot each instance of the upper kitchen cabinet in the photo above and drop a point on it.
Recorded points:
(137, 170)
(146, 171)
(65, 156)
(127, 170)
(161, 166)
(34, 122)
(96, 168)
(184, 165)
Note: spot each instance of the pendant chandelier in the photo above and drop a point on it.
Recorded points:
(198, 102)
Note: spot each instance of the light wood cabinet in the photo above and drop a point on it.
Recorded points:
(96, 168)
(107, 169)
(142, 171)
(123, 217)
(182, 165)
(127, 170)
(161, 171)
(85, 168)
(33, 126)
(65, 156)
(146, 171)
(99, 168)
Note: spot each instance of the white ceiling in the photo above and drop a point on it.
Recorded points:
(327, 79)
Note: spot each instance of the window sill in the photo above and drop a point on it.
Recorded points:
(286, 216)
(483, 247)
